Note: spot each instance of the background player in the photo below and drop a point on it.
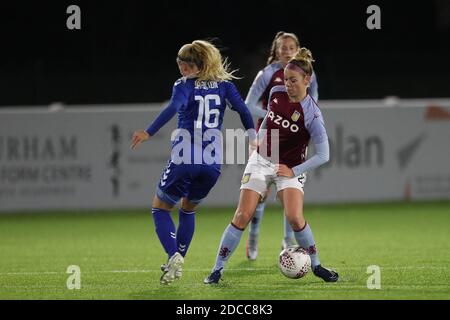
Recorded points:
(284, 47)
(200, 98)
(298, 119)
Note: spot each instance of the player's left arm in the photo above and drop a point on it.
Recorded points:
(319, 137)
(316, 128)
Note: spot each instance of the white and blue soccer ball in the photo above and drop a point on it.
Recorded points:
(294, 262)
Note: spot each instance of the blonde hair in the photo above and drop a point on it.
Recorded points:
(280, 36)
(304, 60)
(208, 60)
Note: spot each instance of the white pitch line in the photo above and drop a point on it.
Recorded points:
(208, 270)
(29, 273)
(125, 271)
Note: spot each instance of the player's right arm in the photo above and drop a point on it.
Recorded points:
(234, 100)
(176, 101)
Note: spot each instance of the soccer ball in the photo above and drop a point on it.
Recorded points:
(294, 262)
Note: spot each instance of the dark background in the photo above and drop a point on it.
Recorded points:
(125, 51)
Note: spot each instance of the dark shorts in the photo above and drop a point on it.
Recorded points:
(193, 181)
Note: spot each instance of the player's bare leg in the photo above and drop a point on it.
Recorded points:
(232, 235)
(158, 203)
(187, 205)
(292, 200)
(248, 200)
(251, 246)
(289, 236)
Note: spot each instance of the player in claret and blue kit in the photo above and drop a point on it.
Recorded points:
(199, 98)
(284, 47)
(292, 120)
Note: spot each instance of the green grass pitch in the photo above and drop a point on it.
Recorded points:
(119, 255)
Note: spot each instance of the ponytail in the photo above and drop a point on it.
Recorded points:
(304, 60)
(208, 60)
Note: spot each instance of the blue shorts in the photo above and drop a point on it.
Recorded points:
(193, 181)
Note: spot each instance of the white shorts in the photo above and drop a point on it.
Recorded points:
(260, 173)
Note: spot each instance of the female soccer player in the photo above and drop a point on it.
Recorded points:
(293, 119)
(284, 47)
(200, 98)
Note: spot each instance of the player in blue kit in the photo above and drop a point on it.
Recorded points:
(284, 47)
(200, 98)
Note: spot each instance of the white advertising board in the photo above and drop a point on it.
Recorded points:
(80, 157)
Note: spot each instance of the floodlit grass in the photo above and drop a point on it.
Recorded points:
(119, 255)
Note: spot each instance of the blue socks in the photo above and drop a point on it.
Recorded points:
(185, 232)
(256, 221)
(174, 241)
(230, 240)
(165, 229)
(305, 240)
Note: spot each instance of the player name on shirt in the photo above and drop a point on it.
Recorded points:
(200, 84)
